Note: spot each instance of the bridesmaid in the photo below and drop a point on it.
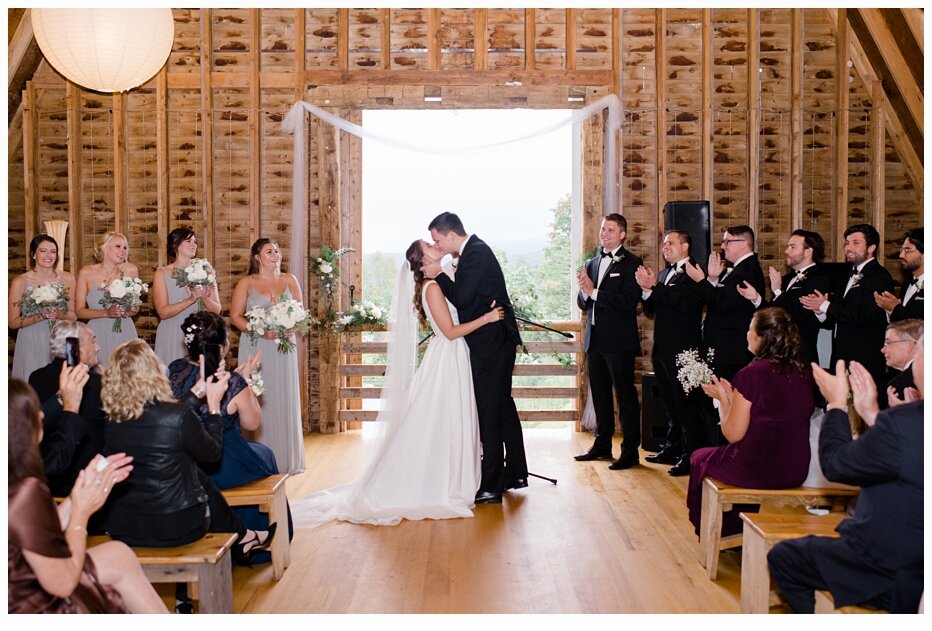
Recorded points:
(112, 254)
(32, 341)
(174, 303)
(263, 286)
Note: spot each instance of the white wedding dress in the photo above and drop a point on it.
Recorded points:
(427, 465)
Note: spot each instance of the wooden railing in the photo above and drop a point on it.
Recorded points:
(353, 369)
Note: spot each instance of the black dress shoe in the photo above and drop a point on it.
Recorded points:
(488, 497)
(625, 462)
(680, 468)
(517, 483)
(594, 455)
(664, 457)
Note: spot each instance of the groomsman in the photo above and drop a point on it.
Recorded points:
(912, 297)
(728, 313)
(672, 300)
(609, 295)
(803, 255)
(859, 324)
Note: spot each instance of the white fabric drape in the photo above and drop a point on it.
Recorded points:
(294, 123)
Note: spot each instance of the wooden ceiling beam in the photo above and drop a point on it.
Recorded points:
(914, 18)
(19, 44)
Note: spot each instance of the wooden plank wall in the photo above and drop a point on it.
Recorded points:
(738, 106)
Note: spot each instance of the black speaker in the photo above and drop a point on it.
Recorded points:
(695, 219)
(653, 417)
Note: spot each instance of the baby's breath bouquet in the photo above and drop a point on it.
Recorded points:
(197, 273)
(126, 292)
(693, 371)
(282, 318)
(364, 313)
(39, 300)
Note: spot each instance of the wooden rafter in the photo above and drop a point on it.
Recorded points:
(840, 198)
(19, 44)
(914, 18)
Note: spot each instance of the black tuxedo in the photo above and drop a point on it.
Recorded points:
(676, 309)
(879, 557)
(859, 323)
(899, 381)
(913, 309)
(70, 441)
(479, 280)
(816, 279)
(728, 315)
(611, 346)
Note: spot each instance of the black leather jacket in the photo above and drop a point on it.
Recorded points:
(166, 444)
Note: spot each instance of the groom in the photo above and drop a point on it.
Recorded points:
(479, 281)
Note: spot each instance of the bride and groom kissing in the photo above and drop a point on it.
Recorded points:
(433, 417)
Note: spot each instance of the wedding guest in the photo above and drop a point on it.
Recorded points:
(911, 302)
(878, 558)
(852, 312)
(32, 339)
(73, 420)
(264, 285)
(50, 567)
(174, 303)
(764, 417)
(899, 346)
(609, 295)
(113, 254)
(242, 461)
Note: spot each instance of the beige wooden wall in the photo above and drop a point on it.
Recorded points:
(750, 108)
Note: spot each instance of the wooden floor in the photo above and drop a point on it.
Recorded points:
(600, 541)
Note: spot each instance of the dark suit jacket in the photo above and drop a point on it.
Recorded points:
(69, 441)
(882, 544)
(479, 281)
(677, 312)
(816, 279)
(859, 323)
(616, 308)
(900, 381)
(913, 309)
(728, 313)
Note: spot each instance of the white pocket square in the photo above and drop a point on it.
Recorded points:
(614, 275)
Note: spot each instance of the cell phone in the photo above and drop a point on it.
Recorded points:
(211, 359)
(72, 351)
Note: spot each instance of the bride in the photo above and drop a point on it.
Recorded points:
(426, 464)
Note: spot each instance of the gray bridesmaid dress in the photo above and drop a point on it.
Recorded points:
(107, 339)
(169, 338)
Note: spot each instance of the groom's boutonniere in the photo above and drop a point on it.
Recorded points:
(857, 278)
(919, 285)
(618, 257)
(800, 276)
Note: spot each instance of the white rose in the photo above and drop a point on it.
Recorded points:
(44, 293)
(211, 278)
(117, 289)
(376, 313)
(326, 268)
(197, 274)
(346, 320)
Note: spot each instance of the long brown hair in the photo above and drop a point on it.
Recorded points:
(23, 459)
(780, 341)
(254, 252)
(415, 256)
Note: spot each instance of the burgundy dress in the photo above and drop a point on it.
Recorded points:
(774, 452)
(33, 524)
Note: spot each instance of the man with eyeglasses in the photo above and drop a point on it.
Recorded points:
(898, 348)
(859, 324)
(728, 313)
(911, 302)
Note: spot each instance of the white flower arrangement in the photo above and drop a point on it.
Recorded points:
(126, 292)
(39, 300)
(256, 384)
(282, 318)
(362, 313)
(326, 269)
(197, 273)
(693, 371)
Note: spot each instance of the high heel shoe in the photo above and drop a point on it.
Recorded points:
(243, 557)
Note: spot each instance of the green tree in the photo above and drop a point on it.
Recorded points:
(380, 272)
(553, 285)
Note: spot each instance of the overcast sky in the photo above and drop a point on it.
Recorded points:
(502, 194)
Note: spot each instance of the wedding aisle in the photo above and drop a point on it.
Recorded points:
(600, 541)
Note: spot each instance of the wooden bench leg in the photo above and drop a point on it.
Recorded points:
(215, 584)
(281, 548)
(755, 574)
(710, 531)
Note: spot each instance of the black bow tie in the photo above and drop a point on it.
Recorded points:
(604, 254)
(914, 281)
(853, 271)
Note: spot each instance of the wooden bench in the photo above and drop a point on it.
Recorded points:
(824, 603)
(269, 494)
(205, 562)
(718, 498)
(761, 532)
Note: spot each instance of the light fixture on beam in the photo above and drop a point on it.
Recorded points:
(107, 50)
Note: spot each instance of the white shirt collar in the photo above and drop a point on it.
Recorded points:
(463, 244)
(735, 264)
(810, 266)
(861, 266)
(681, 263)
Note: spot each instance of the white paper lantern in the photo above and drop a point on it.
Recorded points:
(108, 50)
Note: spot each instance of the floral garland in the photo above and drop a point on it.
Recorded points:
(326, 269)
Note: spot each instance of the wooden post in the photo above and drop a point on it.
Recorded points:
(30, 166)
(207, 135)
(707, 165)
(878, 164)
(571, 39)
(343, 39)
(481, 40)
(433, 39)
(255, 124)
(351, 221)
(840, 199)
(75, 212)
(300, 54)
(754, 115)
(796, 121)
(162, 159)
(118, 125)
(530, 37)
(385, 18)
(660, 62)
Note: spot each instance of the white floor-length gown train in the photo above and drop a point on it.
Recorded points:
(427, 466)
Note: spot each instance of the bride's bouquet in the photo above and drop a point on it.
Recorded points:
(282, 318)
(197, 273)
(126, 292)
(37, 301)
(693, 371)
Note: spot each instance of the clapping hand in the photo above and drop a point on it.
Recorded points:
(864, 391)
(645, 277)
(909, 395)
(886, 301)
(716, 267)
(747, 290)
(720, 389)
(814, 300)
(776, 281)
(585, 283)
(833, 387)
(94, 482)
(694, 272)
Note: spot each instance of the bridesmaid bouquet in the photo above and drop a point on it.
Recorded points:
(126, 292)
(197, 273)
(37, 301)
(693, 371)
(282, 318)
